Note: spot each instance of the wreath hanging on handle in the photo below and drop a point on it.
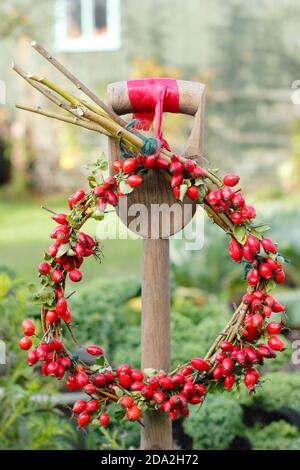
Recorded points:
(248, 339)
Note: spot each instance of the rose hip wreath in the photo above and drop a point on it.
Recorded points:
(249, 338)
(245, 342)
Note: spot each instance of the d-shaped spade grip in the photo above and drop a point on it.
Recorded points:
(191, 95)
(155, 189)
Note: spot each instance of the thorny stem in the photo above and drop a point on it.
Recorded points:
(223, 333)
(48, 210)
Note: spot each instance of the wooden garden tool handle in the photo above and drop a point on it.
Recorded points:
(190, 97)
(155, 328)
(155, 189)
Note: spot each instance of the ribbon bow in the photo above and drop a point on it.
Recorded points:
(150, 97)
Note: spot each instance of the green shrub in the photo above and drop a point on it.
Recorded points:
(209, 268)
(25, 423)
(29, 425)
(215, 424)
(278, 435)
(291, 298)
(100, 313)
(128, 348)
(278, 389)
(187, 305)
(188, 339)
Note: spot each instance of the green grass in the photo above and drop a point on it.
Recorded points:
(24, 236)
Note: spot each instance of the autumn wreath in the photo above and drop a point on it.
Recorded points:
(249, 338)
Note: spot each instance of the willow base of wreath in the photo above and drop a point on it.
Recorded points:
(248, 340)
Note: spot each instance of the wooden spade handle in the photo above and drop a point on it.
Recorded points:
(190, 97)
(155, 189)
(155, 337)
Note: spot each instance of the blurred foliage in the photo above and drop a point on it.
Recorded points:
(14, 18)
(99, 310)
(209, 268)
(291, 299)
(105, 303)
(114, 306)
(279, 389)
(215, 424)
(292, 167)
(25, 423)
(278, 435)
(119, 436)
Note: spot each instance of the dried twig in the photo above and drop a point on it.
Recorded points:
(79, 85)
(75, 120)
(42, 89)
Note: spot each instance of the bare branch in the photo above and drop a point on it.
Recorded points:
(81, 86)
(42, 89)
(76, 121)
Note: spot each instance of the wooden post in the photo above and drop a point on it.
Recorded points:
(155, 335)
(155, 330)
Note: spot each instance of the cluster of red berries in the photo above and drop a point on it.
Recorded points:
(232, 360)
(168, 393)
(255, 325)
(263, 257)
(28, 329)
(229, 201)
(178, 171)
(56, 269)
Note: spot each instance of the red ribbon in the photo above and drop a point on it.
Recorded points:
(150, 97)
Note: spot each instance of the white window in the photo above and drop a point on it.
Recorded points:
(87, 25)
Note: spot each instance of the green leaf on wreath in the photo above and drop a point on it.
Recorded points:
(118, 391)
(282, 259)
(62, 250)
(261, 228)
(270, 286)
(47, 257)
(183, 190)
(94, 367)
(119, 414)
(187, 182)
(240, 233)
(150, 371)
(92, 181)
(256, 233)
(102, 164)
(44, 295)
(202, 192)
(100, 361)
(125, 188)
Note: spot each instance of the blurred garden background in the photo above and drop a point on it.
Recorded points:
(248, 55)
